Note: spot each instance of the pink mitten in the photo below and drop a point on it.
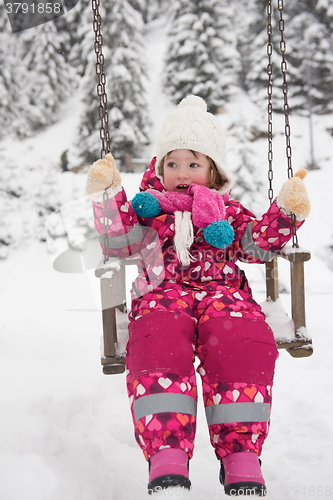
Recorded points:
(293, 197)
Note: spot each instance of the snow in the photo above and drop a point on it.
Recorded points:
(289, 249)
(277, 318)
(66, 431)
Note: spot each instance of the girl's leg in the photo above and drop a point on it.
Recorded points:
(161, 381)
(237, 366)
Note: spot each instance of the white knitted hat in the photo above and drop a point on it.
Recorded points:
(190, 126)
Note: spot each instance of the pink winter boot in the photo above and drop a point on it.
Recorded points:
(241, 474)
(168, 467)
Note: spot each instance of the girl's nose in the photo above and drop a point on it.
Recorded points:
(183, 174)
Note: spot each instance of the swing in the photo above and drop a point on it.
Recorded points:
(300, 345)
(111, 271)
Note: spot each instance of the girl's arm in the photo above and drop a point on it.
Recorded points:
(257, 240)
(262, 238)
(120, 233)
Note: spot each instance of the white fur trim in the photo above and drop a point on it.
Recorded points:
(98, 196)
(289, 213)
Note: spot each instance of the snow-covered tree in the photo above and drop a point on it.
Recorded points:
(254, 45)
(125, 75)
(324, 11)
(80, 21)
(14, 108)
(246, 166)
(89, 142)
(311, 53)
(34, 78)
(309, 44)
(50, 81)
(142, 6)
(202, 56)
(245, 17)
(150, 9)
(68, 27)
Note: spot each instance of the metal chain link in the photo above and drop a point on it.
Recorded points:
(286, 110)
(102, 109)
(106, 226)
(285, 88)
(270, 104)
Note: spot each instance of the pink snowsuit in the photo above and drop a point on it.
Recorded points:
(204, 310)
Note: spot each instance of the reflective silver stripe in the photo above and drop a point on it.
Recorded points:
(252, 249)
(124, 240)
(237, 412)
(164, 402)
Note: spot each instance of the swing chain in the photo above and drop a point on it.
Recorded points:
(286, 110)
(103, 109)
(270, 105)
(285, 88)
(106, 226)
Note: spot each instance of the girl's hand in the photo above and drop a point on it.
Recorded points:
(103, 174)
(293, 197)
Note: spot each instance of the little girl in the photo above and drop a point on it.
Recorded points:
(190, 299)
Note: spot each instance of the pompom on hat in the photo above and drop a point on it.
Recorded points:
(191, 126)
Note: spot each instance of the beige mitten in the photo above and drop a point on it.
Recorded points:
(103, 174)
(293, 197)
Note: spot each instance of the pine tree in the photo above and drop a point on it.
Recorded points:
(125, 75)
(154, 8)
(202, 56)
(256, 62)
(142, 6)
(14, 108)
(81, 35)
(324, 11)
(68, 28)
(89, 142)
(11, 113)
(245, 21)
(246, 166)
(311, 53)
(49, 81)
(309, 44)
(150, 9)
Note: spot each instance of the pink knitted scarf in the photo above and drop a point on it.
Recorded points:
(206, 205)
(200, 203)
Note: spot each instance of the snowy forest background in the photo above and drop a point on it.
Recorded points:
(66, 431)
(216, 49)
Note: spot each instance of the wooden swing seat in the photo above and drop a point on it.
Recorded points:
(113, 295)
(301, 345)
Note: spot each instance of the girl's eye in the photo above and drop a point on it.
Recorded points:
(194, 165)
(172, 165)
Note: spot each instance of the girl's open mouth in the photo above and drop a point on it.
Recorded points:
(182, 187)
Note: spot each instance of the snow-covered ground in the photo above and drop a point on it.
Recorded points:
(66, 431)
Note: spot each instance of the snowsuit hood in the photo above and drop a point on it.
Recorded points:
(150, 179)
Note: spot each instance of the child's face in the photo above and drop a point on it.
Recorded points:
(182, 168)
